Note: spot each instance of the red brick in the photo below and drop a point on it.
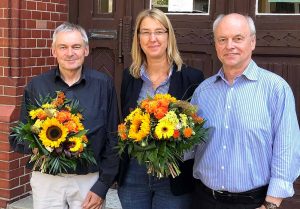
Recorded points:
(40, 61)
(3, 203)
(36, 52)
(36, 15)
(15, 13)
(55, 17)
(25, 53)
(25, 33)
(1, 89)
(41, 43)
(6, 113)
(16, 172)
(30, 24)
(31, 43)
(4, 146)
(50, 61)
(46, 34)
(9, 100)
(55, 1)
(46, 52)
(41, 6)
(4, 127)
(25, 14)
(63, 17)
(4, 4)
(50, 25)
(31, 5)
(45, 15)
(24, 160)
(8, 184)
(36, 34)
(36, 70)
(13, 91)
(51, 7)
(12, 192)
(25, 179)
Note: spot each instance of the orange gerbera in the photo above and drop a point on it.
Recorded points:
(187, 132)
(160, 112)
(176, 134)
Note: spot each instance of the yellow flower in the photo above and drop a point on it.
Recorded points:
(140, 127)
(34, 113)
(133, 113)
(164, 129)
(183, 119)
(35, 128)
(171, 117)
(48, 106)
(76, 120)
(165, 96)
(76, 144)
(53, 133)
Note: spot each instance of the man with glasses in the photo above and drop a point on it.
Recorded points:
(252, 156)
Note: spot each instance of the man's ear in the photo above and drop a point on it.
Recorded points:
(86, 51)
(53, 52)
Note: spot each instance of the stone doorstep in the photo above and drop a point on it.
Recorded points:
(112, 202)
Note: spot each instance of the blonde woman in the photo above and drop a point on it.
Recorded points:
(156, 68)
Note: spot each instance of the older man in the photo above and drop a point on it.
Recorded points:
(253, 155)
(87, 186)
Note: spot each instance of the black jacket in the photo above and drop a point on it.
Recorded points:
(182, 86)
(97, 97)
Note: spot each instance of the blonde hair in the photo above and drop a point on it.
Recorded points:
(137, 54)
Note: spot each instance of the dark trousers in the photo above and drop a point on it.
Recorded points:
(203, 199)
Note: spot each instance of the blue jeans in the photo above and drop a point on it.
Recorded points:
(143, 191)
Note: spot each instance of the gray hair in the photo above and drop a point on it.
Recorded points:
(69, 27)
(248, 18)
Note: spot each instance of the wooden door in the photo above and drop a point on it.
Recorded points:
(103, 21)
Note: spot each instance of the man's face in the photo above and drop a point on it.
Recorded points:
(70, 50)
(234, 42)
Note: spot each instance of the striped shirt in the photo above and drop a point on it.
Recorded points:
(147, 89)
(254, 137)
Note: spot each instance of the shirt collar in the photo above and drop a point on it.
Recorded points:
(81, 79)
(251, 72)
(144, 74)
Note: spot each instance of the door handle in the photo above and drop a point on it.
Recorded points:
(103, 34)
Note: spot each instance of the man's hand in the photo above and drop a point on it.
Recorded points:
(92, 201)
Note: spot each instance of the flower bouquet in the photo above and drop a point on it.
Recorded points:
(55, 133)
(159, 131)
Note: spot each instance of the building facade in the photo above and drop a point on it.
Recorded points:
(26, 27)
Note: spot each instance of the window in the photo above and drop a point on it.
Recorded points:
(182, 6)
(278, 7)
(103, 6)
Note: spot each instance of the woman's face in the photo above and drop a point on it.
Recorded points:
(153, 37)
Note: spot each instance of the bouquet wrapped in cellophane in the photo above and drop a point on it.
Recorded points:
(55, 133)
(159, 131)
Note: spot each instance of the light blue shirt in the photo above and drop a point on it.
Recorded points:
(254, 136)
(147, 88)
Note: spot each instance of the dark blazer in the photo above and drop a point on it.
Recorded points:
(182, 86)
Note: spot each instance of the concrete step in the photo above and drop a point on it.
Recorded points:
(112, 202)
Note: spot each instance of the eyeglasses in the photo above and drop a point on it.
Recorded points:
(158, 33)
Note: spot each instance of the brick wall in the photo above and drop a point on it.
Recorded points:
(25, 38)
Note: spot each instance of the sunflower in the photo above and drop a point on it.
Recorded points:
(53, 133)
(75, 144)
(164, 129)
(140, 127)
